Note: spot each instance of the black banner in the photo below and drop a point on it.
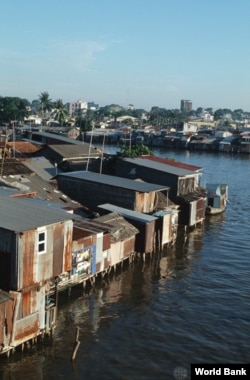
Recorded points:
(220, 371)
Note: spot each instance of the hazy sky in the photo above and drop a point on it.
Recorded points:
(148, 53)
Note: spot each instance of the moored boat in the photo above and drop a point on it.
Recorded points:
(217, 198)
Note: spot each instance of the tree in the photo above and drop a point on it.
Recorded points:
(60, 112)
(35, 105)
(45, 102)
(13, 108)
(134, 151)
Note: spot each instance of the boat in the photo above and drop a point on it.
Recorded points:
(217, 198)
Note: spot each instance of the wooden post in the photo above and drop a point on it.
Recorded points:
(76, 344)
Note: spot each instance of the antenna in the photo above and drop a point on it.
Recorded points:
(90, 144)
(5, 144)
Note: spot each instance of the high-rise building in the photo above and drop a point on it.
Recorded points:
(186, 105)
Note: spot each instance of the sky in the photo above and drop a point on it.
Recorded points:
(140, 52)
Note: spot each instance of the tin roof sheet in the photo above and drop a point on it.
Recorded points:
(173, 163)
(120, 228)
(130, 184)
(163, 167)
(145, 218)
(24, 214)
(71, 151)
(57, 137)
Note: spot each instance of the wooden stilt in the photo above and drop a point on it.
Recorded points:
(76, 344)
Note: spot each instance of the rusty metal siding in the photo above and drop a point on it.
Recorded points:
(129, 246)
(58, 249)
(106, 241)
(26, 252)
(6, 322)
(200, 209)
(144, 241)
(67, 253)
(26, 298)
(29, 302)
(121, 250)
(26, 328)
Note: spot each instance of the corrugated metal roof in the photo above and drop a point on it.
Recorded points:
(24, 214)
(128, 213)
(43, 190)
(173, 163)
(120, 228)
(41, 166)
(12, 166)
(71, 151)
(24, 147)
(143, 187)
(57, 137)
(152, 164)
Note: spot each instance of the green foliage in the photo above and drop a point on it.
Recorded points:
(160, 116)
(13, 108)
(45, 102)
(86, 122)
(134, 151)
(60, 112)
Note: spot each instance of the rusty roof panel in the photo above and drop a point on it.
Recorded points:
(173, 163)
(24, 147)
(163, 167)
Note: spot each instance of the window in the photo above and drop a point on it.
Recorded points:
(41, 243)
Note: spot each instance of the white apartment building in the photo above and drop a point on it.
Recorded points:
(78, 108)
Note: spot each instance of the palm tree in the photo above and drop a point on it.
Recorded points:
(60, 112)
(45, 103)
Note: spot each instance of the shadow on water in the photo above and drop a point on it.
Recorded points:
(116, 319)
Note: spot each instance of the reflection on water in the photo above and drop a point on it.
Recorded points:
(126, 295)
(189, 303)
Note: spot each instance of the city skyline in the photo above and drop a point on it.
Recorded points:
(134, 52)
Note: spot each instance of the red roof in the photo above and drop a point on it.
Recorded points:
(173, 163)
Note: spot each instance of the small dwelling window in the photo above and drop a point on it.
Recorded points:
(41, 248)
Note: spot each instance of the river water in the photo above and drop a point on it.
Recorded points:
(189, 304)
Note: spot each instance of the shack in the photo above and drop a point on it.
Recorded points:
(182, 180)
(70, 157)
(123, 237)
(35, 248)
(145, 239)
(92, 189)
